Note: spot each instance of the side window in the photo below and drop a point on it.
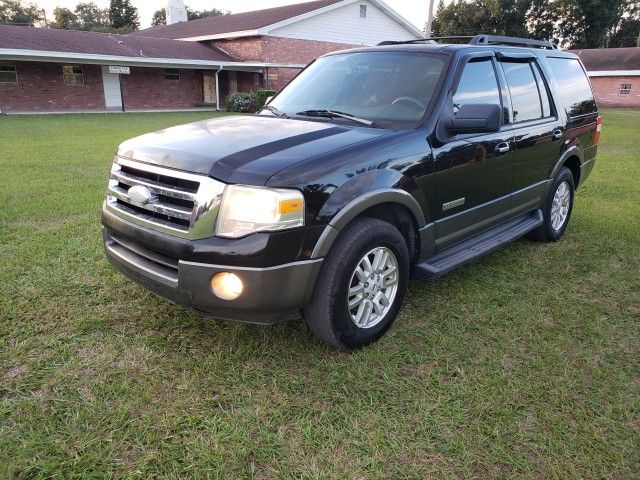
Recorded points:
(572, 84)
(523, 88)
(543, 90)
(478, 84)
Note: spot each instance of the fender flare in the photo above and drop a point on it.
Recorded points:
(572, 151)
(358, 205)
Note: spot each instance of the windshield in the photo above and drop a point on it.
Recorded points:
(390, 89)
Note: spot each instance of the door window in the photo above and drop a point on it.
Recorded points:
(478, 84)
(523, 88)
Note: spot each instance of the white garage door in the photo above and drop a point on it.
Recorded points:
(111, 83)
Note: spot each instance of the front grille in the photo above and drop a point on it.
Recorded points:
(179, 203)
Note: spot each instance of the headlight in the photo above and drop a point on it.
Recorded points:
(246, 210)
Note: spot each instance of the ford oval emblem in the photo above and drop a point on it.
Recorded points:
(139, 194)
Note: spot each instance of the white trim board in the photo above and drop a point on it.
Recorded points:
(614, 73)
(96, 59)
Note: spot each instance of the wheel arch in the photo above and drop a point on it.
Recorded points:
(572, 159)
(382, 203)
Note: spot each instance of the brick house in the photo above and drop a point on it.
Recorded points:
(614, 75)
(184, 64)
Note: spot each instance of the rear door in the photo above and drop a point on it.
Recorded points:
(538, 130)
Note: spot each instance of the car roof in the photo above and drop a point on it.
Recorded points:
(452, 48)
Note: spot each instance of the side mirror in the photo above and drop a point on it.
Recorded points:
(474, 118)
(268, 100)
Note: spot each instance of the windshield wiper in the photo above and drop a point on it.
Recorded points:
(276, 112)
(334, 113)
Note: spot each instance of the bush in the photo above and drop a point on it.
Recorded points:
(242, 102)
(262, 95)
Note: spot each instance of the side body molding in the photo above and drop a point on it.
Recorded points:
(358, 205)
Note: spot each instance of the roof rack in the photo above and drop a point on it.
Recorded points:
(484, 40)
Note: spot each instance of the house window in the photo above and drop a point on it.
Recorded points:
(8, 73)
(172, 74)
(363, 11)
(72, 75)
(625, 88)
(256, 79)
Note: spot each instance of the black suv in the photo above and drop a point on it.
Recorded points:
(372, 166)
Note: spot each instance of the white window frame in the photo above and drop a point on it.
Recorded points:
(625, 89)
(363, 11)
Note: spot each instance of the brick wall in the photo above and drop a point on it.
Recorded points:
(40, 87)
(276, 50)
(248, 48)
(147, 88)
(607, 91)
(291, 50)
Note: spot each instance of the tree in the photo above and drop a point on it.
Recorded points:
(627, 32)
(91, 17)
(160, 16)
(17, 13)
(123, 15)
(65, 19)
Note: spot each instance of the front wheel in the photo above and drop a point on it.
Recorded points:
(360, 286)
(556, 210)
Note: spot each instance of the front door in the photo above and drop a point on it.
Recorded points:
(473, 172)
(209, 88)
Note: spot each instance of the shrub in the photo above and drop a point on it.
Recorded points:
(242, 102)
(262, 95)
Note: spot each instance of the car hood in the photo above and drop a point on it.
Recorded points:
(242, 149)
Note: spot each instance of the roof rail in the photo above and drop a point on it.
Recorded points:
(482, 40)
(512, 42)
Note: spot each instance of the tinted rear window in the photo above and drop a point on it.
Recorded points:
(573, 86)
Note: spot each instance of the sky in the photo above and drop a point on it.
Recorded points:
(413, 10)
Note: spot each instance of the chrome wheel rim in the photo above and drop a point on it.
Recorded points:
(560, 206)
(373, 287)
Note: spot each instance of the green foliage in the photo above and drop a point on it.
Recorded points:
(91, 17)
(122, 14)
(16, 12)
(571, 23)
(242, 102)
(160, 15)
(64, 19)
(262, 95)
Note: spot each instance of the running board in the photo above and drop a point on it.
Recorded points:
(477, 246)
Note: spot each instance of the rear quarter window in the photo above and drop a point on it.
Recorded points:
(572, 85)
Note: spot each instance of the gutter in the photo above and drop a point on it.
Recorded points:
(99, 59)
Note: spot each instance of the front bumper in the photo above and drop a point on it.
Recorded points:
(270, 294)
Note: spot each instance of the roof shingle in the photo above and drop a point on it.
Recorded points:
(232, 23)
(94, 43)
(603, 59)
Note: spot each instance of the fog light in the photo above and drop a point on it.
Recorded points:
(227, 286)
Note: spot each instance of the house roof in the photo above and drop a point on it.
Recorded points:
(237, 22)
(260, 22)
(93, 43)
(610, 59)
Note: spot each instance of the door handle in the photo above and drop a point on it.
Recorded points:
(502, 147)
(556, 134)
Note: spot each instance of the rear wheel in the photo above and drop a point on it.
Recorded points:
(557, 208)
(360, 286)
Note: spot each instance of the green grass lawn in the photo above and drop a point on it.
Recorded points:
(525, 364)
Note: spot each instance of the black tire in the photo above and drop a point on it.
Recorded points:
(546, 232)
(327, 314)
